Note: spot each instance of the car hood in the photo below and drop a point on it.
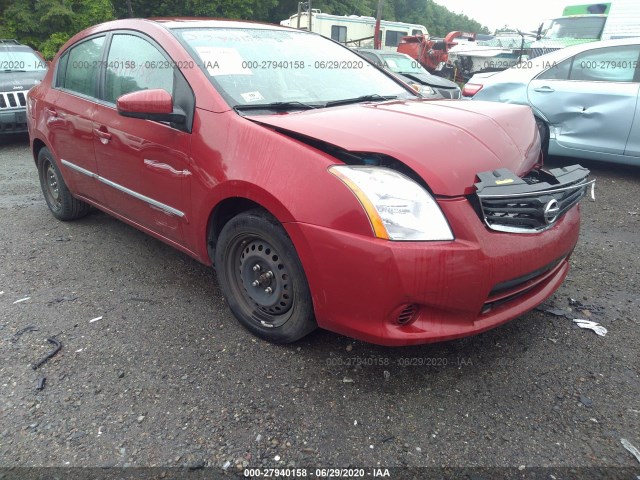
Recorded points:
(20, 81)
(430, 80)
(445, 142)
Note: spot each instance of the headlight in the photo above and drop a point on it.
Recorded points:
(424, 90)
(398, 208)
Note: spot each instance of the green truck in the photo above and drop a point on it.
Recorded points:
(589, 23)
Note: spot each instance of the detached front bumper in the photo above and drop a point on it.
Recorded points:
(403, 293)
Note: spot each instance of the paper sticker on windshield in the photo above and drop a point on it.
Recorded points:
(252, 96)
(223, 61)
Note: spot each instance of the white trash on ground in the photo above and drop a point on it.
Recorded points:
(588, 324)
(634, 451)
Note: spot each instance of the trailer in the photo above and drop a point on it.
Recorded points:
(354, 30)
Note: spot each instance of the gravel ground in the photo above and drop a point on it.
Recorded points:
(166, 377)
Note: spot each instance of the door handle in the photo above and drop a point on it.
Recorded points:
(51, 112)
(103, 135)
(544, 89)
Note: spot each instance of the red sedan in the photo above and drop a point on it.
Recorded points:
(321, 188)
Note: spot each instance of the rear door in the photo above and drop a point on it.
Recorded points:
(68, 110)
(590, 99)
(144, 164)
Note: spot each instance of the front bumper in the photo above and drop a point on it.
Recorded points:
(13, 121)
(404, 293)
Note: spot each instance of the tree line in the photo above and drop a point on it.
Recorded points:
(47, 24)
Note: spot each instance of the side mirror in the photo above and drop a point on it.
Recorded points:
(155, 104)
(539, 33)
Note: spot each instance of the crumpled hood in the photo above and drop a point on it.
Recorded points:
(445, 142)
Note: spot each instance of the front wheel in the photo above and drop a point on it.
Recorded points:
(262, 278)
(62, 204)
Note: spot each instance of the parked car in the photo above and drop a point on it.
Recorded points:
(325, 192)
(20, 69)
(584, 98)
(412, 73)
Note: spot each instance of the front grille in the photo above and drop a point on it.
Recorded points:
(12, 100)
(536, 52)
(530, 204)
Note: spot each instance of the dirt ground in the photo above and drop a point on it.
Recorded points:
(167, 378)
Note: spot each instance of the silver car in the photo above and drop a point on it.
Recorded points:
(584, 98)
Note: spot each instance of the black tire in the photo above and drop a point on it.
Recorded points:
(543, 129)
(62, 204)
(262, 279)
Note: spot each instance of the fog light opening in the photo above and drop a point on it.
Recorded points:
(407, 315)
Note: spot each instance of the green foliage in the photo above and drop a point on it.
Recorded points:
(47, 24)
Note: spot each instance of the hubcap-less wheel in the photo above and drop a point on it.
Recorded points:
(60, 201)
(260, 276)
(262, 279)
(53, 190)
(265, 278)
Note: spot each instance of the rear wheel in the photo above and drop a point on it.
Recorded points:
(62, 204)
(543, 129)
(262, 278)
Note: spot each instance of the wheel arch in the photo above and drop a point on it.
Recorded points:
(36, 146)
(224, 211)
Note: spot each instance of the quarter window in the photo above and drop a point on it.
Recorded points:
(79, 67)
(135, 64)
(557, 71)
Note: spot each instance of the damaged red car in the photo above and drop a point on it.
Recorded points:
(323, 190)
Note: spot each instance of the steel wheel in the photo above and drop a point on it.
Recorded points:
(52, 190)
(60, 201)
(262, 278)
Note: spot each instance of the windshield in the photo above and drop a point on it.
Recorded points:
(402, 64)
(12, 60)
(507, 42)
(577, 27)
(262, 66)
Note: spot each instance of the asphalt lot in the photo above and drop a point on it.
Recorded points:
(167, 377)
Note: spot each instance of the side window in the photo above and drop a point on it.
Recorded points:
(393, 37)
(611, 64)
(416, 32)
(557, 71)
(135, 64)
(339, 33)
(79, 67)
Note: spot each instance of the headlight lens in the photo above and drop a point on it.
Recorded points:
(398, 208)
(424, 90)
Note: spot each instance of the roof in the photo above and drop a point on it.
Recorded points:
(195, 22)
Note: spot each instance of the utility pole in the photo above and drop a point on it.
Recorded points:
(376, 33)
(129, 9)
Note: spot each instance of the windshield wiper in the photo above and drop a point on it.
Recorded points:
(10, 70)
(278, 106)
(374, 97)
